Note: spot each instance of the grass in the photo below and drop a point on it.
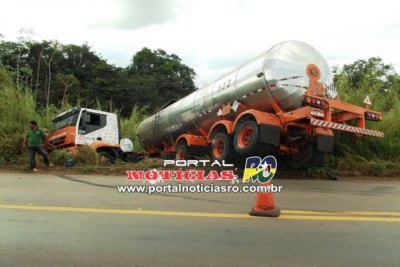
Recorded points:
(130, 125)
(368, 155)
(60, 156)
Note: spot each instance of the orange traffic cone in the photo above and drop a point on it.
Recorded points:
(265, 206)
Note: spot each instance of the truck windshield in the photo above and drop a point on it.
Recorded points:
(68, 119)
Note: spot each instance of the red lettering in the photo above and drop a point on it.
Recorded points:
(166, 175)
(134, 175)
(200, 175)
(179, 175)
(151, 175)
(212, 175)
(228, 175)
(188, 175)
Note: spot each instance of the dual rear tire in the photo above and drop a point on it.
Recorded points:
(222, 147)
(245, 142)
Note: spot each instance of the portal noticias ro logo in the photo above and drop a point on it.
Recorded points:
(257, 169)
(260, 170)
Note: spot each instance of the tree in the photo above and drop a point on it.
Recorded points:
(369, 77)
(57, 73)
(39, 59)
(48, 59)
(67, 81)
(155, 77)
(12, 54)
(373, 73)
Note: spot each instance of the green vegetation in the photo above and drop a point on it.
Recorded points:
(41, 79)
(59, 157)
(129, 126)
(16, 109)
(367, 154)
(57, 74)
(88, 156)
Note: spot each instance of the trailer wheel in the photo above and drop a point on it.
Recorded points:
(304, 159)
(222, 147)
(182, 151)
(246, 138)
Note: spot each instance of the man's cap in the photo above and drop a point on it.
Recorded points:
(33, 122)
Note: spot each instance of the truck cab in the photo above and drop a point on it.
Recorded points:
(82, 126)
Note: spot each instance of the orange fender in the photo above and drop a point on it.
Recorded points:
(192, 140)
(260, 117)
(228, 125)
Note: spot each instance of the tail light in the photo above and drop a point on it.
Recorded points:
(316, 102)
(372, 116)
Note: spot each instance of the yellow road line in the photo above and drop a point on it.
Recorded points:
(130, 212)
(339, 218)
(333, 213)
(286, 214)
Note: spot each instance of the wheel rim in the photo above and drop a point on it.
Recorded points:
(245, 137)
(180, 154)
(219, 148)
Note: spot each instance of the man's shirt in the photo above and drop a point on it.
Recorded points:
(35, 137)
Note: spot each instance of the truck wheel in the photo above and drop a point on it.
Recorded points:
(246, 138)
(302, 160)
(108, 156)
(181, 151)
(222, 147)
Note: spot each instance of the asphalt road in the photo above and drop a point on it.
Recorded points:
(77, 220)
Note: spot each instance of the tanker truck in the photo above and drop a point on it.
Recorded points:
(282, 101)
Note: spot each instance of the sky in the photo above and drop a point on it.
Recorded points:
(211, 36)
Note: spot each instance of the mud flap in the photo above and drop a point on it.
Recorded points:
(325, 143)
(270, 134)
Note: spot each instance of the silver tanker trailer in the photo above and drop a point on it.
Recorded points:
(282, 100)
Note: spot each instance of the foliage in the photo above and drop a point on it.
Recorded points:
(63, 73)
(380, 81)
(370, 73)
(16, 109)
(129, 126)
(87, 155)
(60, 156)
(159, 77)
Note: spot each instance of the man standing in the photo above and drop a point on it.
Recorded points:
(34, 139)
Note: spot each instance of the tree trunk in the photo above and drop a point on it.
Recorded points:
(48, 87)
(49, 80)
(37, 75)
(18, 58)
